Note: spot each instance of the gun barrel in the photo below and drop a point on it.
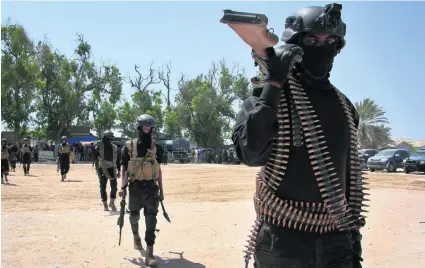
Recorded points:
(230, 16)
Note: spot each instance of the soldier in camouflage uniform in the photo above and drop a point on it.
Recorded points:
(302, 131)
(108, 164)
(143, 173)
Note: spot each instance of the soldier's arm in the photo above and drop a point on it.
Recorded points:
(256, 126)
(161, 189)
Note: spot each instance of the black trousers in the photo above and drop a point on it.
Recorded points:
(35, 157)
(144, 195)
(103, 181)
(279, 247)
(4, 167)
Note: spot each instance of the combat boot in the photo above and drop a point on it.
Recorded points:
(150, 259)
(105, 205)
(5, 178)
(62, 177)
(112, 204)
(137, 242)
(2, 180)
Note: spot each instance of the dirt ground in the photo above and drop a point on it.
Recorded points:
(48, 223)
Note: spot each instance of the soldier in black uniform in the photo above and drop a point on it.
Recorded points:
(5, 154)
(142, 171)
(303, 132)
(108, 168)
(26, 156)
(64, 157)
(13, 156)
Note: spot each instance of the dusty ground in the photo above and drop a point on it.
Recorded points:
(46, 223)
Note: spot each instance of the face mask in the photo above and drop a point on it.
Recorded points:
(318, 60)
(106, 140)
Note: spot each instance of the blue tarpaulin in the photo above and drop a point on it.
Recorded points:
(81, 139)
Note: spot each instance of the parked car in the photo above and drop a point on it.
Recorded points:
(415, 162)
(389, 159)
(364, 155)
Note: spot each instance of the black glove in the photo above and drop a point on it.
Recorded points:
(281, 60)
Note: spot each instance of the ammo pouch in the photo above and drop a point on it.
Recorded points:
(142, 169)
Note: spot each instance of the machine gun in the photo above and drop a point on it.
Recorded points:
(120, 221)
(252, 28)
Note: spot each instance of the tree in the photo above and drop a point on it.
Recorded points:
(19, 77)
(204, 104)
(165, 76)
(61, 95)
(143, 101)
(106, 91)
(372, 130)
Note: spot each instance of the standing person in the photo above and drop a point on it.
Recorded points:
(196, 155)
(64, 157)
(13, 156)
(108, 168)
(26, 156)
(303, 132)
(5, 154)
(36, 150)
(143, 173)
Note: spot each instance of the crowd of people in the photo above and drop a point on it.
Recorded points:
(213, 156)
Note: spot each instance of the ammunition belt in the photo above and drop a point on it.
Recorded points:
(337, 211)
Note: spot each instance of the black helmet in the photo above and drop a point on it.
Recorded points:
(319, 20)
(146, 120)
(108, 134)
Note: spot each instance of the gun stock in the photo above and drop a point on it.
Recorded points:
(252, 28)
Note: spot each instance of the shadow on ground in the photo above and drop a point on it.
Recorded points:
(179, 262)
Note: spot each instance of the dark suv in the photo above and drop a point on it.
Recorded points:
(389, 159)
(415, 162)
(364, 155)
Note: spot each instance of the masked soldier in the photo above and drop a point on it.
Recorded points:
(64, 157)
(303, 132)
(108, 168)
(5, 154)
(26, 156)
(139, 162)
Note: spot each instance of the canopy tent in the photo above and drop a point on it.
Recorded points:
(78, 139)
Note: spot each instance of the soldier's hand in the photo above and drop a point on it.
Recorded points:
(281, 60)
(161, 197)
(120, 193)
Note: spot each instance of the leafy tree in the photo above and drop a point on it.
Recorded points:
(19, 77)
(106, 91)
(61, 96)
(372, 131)
(204, 104)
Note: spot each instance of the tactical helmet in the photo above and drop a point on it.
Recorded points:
(146, 120)
(26, 139)
(64, 138)
(318, 20)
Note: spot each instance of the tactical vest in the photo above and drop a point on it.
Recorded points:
(25, 149)
(142, 168)
(105, 164)
(5, 153)
(64, 149)
(334, 213)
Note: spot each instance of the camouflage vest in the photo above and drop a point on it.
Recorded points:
(334, 213)
(64, 149)
(25, 150)
(5, 153)
(142, 168)
(105, 164)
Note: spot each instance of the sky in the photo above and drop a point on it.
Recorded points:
(384, 58)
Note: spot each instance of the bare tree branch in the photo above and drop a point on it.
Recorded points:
(165, 77)
(141, 83)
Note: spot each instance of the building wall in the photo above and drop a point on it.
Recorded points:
(404, 146)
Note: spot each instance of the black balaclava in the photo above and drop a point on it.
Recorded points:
(318, 60)
(106, 140)
(145, 139)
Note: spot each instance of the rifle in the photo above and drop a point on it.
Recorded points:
(252, 28)
(120, 221)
